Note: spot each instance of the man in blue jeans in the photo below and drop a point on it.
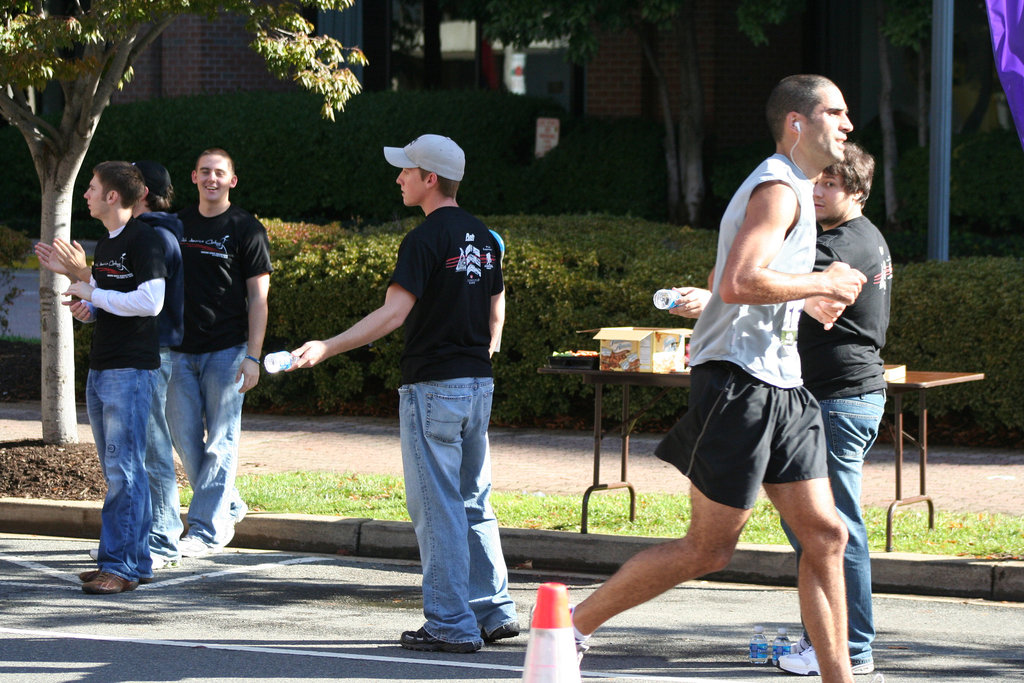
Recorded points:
(842, 368)
(447, 289)
(151, 209)
(226, 258)
(122, 296)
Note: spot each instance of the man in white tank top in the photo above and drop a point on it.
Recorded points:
(750, 420)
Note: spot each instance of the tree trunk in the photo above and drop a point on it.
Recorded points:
(647, 35)
(890, 152)
(691, 117)
(60, 419)
(57, 164)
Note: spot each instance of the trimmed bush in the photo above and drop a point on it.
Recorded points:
(568, 275)
(563, 275)
(963, 316)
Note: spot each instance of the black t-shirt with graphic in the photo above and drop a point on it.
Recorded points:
(452, 264)
(218, 255)
(846, 360)
(121, 264)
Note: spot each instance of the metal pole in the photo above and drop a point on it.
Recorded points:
(941, 130)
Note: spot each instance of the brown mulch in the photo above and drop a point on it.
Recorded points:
(32, 469)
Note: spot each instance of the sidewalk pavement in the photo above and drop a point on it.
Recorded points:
(558, 462)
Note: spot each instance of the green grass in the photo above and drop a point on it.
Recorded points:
(980, 535)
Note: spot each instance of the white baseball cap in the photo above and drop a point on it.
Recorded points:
(434, 153)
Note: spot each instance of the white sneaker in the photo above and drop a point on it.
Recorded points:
(581, 640)
(865, 668)
(803, 664)
(806, 664)
(94, 553)
(159, 562)
(193, 546)
(801, 645)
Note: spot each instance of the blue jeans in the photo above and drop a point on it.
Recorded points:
(163, 483)
(851, 426)
(203, 393)
(118, 404)
(447, 465)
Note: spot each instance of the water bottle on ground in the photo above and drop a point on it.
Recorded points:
(278, 361)
(781, 647)
(758, 647)
(666, 298)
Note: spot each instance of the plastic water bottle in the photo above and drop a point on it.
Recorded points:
(666, 298)
(781, 647)
(758, 647)
(278, 361)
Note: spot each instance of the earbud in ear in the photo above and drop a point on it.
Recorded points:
(796, 126)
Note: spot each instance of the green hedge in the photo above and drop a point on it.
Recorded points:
(964, 316)
(984, 197)
(292, 163)
(572, 273)
(986, 206)
(563, 275)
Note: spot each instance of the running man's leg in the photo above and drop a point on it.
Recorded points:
(707, 547)
(809, 510)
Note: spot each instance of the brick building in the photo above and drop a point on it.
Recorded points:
(195, 56)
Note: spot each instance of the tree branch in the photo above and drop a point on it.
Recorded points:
(15, 109)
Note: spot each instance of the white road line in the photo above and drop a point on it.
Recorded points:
(162, 583)
(73, 578)
(332, 655)
(42, 568)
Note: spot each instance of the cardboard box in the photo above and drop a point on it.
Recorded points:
(643, 349)
(670, 350)
(894, 373)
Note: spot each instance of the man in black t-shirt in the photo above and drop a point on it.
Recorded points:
(226, 260)
(842, 368)
(447, 289)
(123, 297)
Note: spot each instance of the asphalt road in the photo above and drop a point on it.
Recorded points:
(272, 616)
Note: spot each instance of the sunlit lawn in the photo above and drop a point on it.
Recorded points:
(382, 497)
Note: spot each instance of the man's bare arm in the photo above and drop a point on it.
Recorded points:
(397, 303)
(747, 279)
(497, 321)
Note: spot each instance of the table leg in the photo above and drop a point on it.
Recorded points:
(922, 445)
(598, 434)
(626, 428)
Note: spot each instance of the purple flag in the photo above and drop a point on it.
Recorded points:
(1006, 20)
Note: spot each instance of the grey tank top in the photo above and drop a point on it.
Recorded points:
(761, 339)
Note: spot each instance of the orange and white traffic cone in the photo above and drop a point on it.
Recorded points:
(551, 651)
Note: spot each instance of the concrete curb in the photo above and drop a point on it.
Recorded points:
(569, 551)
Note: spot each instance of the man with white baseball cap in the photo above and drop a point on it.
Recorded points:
(448, 291)
(434, 153)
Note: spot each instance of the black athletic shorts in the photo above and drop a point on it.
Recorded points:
(740, 432)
